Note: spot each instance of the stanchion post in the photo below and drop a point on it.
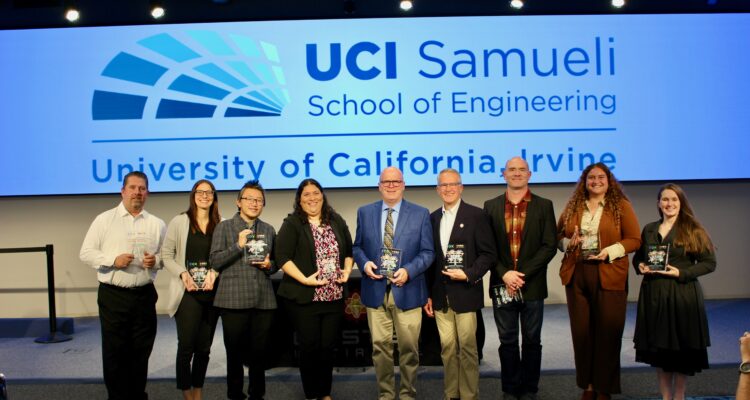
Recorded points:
(54, 336)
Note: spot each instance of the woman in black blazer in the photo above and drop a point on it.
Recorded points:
(314, 249)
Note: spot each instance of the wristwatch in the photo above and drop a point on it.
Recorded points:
(745, 367)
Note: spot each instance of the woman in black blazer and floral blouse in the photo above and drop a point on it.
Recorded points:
(314, 248)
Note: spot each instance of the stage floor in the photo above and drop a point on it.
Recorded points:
(79, 360)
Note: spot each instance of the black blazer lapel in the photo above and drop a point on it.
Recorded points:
(531, 210)
(457, 232)
(307, 233)
(436, 234)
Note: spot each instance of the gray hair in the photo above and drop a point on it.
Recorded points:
(446, 170)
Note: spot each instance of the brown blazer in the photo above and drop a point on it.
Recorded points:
(612, 275)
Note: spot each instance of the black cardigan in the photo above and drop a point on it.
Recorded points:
(295, 243)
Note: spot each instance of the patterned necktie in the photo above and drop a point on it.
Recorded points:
(388, 236)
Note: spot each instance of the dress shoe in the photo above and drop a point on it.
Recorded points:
(603, 396)
(588, 395)
(528, 396)
(509, 396)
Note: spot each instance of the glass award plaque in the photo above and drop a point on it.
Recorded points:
(454, 256)
(139, 244)
(329, 269)
(198, 271)
(657, 257)
(589, 245)
(256, 249)
(501, 295)
(390, 262)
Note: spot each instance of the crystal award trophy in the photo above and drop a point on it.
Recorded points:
(454, 256)
(589, 245)
(657, 257)
(329, 269)
(256, 249)
(198, 271)
(501, 295)
(390, 262)
(139, 244)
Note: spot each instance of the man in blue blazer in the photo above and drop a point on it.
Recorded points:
(394, 226)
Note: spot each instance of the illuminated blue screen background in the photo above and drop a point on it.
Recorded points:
(656, 97)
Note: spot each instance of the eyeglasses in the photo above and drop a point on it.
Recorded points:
(206, 193)
(449, 185)
(252, 200)
(391, 183)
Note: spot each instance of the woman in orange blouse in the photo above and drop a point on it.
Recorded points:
(597, 229)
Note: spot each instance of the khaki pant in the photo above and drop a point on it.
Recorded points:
(407, 323)
(458, 344)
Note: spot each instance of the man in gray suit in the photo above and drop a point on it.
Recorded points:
(245, 295)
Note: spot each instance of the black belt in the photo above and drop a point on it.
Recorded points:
(128, 289)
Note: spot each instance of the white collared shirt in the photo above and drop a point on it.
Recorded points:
(590, 226)
(446, 225)
(116, 232)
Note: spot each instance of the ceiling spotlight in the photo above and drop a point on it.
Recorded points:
(72, 14)
(157, 11)
(406, 5)
(618, 3)
(517, 4)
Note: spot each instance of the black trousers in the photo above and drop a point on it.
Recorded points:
(318, 327)
(246, 334)
(520, 365)
(128, 319)
(196, 320)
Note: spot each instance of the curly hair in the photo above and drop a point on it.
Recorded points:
(325, 213)
(689, 233)
(612, 198)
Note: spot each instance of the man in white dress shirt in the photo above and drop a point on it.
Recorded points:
(122, 245)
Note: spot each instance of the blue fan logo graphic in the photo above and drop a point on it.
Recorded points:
(195, 74)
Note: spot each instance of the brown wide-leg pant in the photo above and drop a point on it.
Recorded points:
(597, 319)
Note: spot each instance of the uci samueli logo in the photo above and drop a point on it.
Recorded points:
(192, 74)
(386, 60)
